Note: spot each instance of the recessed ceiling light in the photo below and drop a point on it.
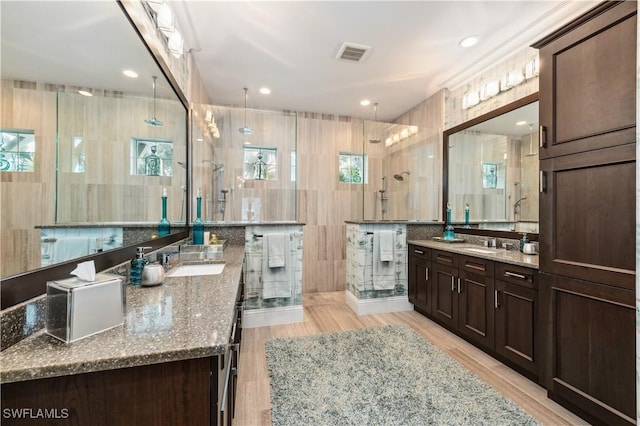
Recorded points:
(130, 73)
(265, 90)
(85, 93)
(365, 102)
(521, 123)
(468, 41)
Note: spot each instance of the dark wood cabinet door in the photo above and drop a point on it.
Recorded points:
(592, 340)
(587, 83)
(420, 284)
(587, 216)
(515, 324)
(171, 393)
(444, 303)
(419, 278)
(475, 308)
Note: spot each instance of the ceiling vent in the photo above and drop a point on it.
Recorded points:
(353, 52)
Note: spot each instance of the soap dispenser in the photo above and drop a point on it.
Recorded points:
(137, 266)
(524, 240)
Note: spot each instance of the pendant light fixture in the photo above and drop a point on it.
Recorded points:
(375, 138)
(154, 121)
(531, 153)
(245, 130)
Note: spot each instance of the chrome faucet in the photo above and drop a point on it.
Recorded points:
(517, 205)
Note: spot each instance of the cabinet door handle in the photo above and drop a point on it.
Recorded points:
(495, 299)
(459, 286)
(426, 274)
(418, 251)
(542, 135)
(514, 275)
(543, 181)
(453, 285)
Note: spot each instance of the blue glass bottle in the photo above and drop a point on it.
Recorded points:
(164, 226)
(448, 229)
(198, 224)
(466, 216)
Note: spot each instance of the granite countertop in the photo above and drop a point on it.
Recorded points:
(186, 317)
(512, 257)
(394, 221)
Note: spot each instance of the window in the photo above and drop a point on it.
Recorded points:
(259, 163)
(151, 157)
(17, 151)
(352, 168)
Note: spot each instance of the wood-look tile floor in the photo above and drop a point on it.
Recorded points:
(327, 312)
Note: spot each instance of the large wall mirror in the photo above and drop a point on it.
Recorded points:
(83, 145)
(491, 166)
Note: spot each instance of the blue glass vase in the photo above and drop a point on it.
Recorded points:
(198, 224)
(448, 229)
(164, 226)
(466, 217)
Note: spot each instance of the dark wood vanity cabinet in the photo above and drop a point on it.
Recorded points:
(491, 304)
(587, 212)
(170, 393)
(463, 295)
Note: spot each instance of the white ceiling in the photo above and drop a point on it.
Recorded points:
(290, 46)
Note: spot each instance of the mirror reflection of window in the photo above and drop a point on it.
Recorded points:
(152, 157)
(489, 175)
(17, 150)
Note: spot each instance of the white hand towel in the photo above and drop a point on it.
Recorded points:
(276, 282)
(275, 249)
(386, 245)
(384, 272)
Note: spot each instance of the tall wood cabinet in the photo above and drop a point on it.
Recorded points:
(587, 212)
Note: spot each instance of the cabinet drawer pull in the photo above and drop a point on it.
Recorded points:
(476, 267)
(453, 285)
(495, 299)
(514, 275)
(418, 251)
(426, 274)
(542, 135)
(459, 286)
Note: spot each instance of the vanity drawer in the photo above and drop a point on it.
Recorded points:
(420, 252)
(517, 275)
(476, 265)
(445, 258)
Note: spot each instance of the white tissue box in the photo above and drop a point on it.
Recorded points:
(78, 309)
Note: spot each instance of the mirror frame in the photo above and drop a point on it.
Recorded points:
(27, 285)
(445, 167)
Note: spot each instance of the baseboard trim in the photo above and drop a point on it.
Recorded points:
(382, 305)
(262, 317)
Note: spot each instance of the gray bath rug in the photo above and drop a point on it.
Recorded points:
(388, 375)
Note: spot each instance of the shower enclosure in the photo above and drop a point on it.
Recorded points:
(245, 176)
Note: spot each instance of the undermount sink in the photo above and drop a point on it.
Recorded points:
(196, 270)
(479, 250)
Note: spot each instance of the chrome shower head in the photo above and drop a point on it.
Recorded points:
(399, 176)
